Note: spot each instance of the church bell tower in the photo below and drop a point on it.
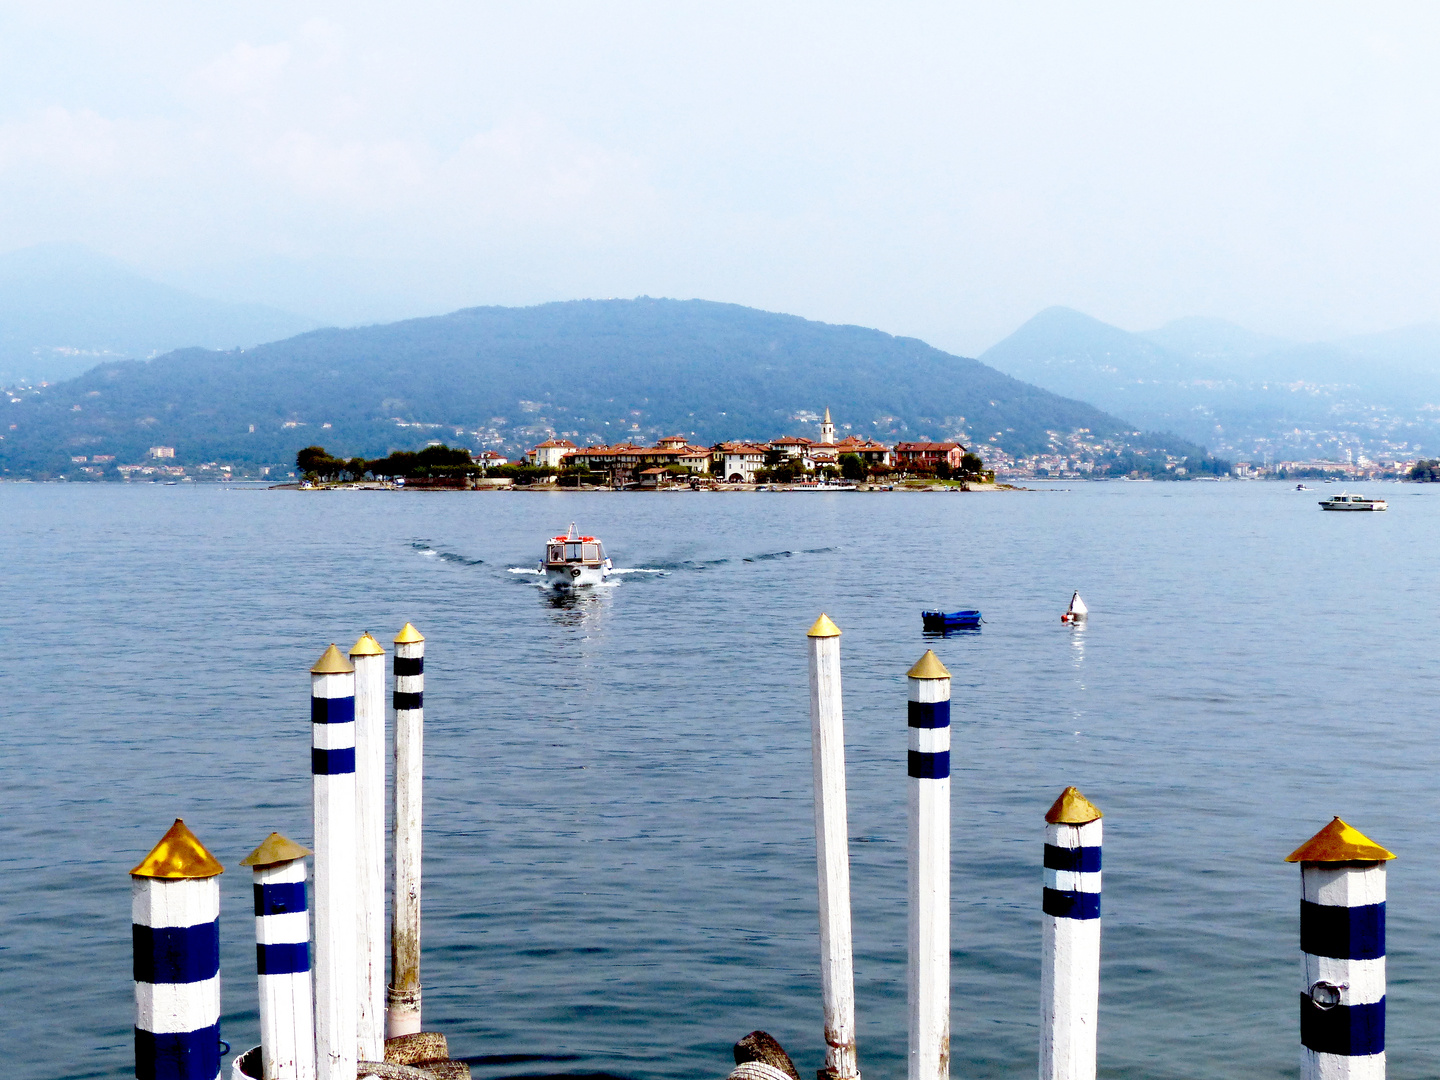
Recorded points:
(827, 430)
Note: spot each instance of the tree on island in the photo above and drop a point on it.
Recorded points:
(1426, 471)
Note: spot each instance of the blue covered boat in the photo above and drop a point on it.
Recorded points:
(939, 622)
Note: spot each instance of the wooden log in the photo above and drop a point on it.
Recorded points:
(832, 851)
(369, 660)
(175, 912)
(402, 998)
(282, 960)
(332, 767)
(929, 869)
(1342, 944)
(1070, 939)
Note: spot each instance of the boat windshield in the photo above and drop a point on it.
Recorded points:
(572, 551)
(592, 552)
(556, 553)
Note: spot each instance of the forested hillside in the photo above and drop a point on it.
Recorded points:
(590, 371)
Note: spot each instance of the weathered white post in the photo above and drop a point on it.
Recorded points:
(1342, 942)
(369, 660)
(403, 997)
(282, 959)
(832, 850)
(332, 766)
(175, 912)
(929, 768)
(1070, 950)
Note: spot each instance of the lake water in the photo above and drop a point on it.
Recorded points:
(619, 838)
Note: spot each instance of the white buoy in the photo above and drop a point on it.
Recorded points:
(282, 960)
(832, 853)
(175, 912)
(1070, 948)
(332, 767)
(1077, 611)
(1342, 943)
(929, 914)
(369, 660)
(402, 999)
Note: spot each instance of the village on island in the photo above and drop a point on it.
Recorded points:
(788, 463)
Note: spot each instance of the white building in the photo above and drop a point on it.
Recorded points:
(827, 430)
(162, 451)
(738, 462)
(549, 452)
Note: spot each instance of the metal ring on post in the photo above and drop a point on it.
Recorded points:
(1325, 995)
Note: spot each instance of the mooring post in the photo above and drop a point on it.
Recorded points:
(929, 768)
(332, 766)
(175, 912)
(832, 851)
(369, 660)
(403, 997)
(1342, 942)
(282, 959)
(1070, 949)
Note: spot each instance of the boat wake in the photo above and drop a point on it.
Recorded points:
(422, 547)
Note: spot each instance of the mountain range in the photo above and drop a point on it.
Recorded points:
(1239, 392)
(592, 371)
(63, 309)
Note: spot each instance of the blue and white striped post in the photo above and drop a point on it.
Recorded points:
(402, 997)
(1342, 941)
(282, 960)
(929, 768)
(332, 768)
(175, 912)
(1070, 949)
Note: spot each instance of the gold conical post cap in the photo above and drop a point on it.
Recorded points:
(332, 662)
(824, 627)
(928, 667)
(367, 646)
(1072, 808)
(1339, 842)
(178, 855)
(408, 635)
(275, 849)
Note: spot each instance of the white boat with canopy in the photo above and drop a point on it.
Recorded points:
(573, 561)
(1346, 501)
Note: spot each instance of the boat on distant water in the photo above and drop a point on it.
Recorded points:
(1077, 611)
(941, 622)
(573, 561)
(1346, 501)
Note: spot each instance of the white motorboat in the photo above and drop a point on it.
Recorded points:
(1346, 501)
(1077, 612)
(573, 561)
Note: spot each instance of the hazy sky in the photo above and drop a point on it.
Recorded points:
(941, 170)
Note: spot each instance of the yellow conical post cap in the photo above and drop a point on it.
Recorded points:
(367, 646)
(824, 627)
(275, 849)
(408, 635)
(928, 667)
(332, 662)
(178, 855)
(1338, 842)
(1072, 808)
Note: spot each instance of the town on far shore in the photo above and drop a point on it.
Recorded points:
(791, 461)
